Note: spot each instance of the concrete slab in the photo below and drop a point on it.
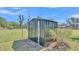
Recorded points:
(26, 45)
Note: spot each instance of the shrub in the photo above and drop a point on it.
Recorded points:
(60, 34)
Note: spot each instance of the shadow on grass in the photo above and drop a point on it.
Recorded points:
(75, 38)
(25, 45)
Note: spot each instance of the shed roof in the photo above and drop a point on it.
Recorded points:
(43, 20)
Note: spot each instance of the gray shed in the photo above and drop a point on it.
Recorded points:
(38, 29)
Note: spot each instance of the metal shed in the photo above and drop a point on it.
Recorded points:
(38, 29)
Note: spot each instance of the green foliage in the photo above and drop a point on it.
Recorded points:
(2, 22)
(13, 24)
(61, 34)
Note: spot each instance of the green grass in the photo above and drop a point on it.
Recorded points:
(7, 37)
(73, 41)
(75, 35)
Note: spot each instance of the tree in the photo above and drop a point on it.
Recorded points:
(3, 22)
(62, 25)
(73, 22)
(21, 19)
(12, 25)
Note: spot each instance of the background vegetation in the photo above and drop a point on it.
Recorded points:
(11, 31)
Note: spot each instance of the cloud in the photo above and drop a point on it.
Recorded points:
(8, 12)
(16, 8)
(75, 15)
(20, 10)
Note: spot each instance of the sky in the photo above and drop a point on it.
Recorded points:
(59, 14)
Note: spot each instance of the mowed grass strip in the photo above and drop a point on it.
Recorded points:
(7, 37)
(73, 41)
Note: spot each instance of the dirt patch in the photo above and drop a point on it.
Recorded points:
(63, 46)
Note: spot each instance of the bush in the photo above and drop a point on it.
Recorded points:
(60, 34)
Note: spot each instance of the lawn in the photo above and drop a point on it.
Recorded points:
(7, 37)
(73, 41)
